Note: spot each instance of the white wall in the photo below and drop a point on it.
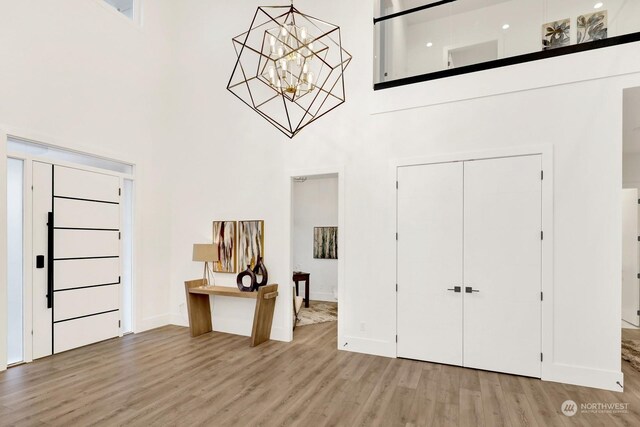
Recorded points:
(315, 204)
(631, 170)
(78, 74)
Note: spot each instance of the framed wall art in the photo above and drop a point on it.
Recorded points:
(250, 242)
(325, 242)
(224, 237)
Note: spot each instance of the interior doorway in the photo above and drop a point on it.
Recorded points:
(70, 249)
(315, 250)
(630, 237)
(630, 213)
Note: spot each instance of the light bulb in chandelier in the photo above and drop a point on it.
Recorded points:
(292, 54)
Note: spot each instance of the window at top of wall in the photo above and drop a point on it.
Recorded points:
(126, 7)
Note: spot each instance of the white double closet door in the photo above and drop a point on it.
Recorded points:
(76, 245)
(469, 264)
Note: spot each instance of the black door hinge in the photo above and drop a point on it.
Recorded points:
(638, 275)
(396, 236)
(541, 296)
(119, 235)
(542, 235)
(119, 191)
(541, 175)
(396, 338)
(118, 323)
(397, 185)
(396, 287)
(638, 315)
(541, 357)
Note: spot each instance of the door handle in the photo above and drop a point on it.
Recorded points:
(469, 290)
(50, 260)
(456, 289)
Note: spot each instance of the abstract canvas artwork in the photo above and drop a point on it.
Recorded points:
(250, 242)
(592, 26)
(556, 34)
(325, 242)
(224, 237)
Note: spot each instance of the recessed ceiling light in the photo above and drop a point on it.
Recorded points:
(429, 44)
(598, 5)
(506, 26)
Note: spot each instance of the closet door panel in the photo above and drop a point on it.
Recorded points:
(429, 319)
(502, 264)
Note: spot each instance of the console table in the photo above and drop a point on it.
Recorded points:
(301, 276)
(200, 309)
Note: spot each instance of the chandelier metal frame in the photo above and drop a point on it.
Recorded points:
(289, 68)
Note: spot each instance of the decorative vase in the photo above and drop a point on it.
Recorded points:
(261, 270)
(251, 274)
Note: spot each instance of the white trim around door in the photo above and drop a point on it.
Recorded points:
(546, 153)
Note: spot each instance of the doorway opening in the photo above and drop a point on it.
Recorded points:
(315, 252)
(70, 249)
(631, 225)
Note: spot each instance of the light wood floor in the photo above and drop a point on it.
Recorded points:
(163, 377)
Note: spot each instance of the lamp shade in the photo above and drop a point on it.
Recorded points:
(205, 253)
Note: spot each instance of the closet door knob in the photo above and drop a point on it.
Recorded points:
(456, 289)
(469, 290)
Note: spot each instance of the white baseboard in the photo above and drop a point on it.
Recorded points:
(367, 346)
(322, 296)
(153, 323)
(179, 320)
(586, 377)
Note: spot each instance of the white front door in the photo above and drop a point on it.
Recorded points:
(469, 264)
(630, 268)
(502, 265)
(76, 280)
(430, 263)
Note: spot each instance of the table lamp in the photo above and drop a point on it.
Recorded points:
(205, 253)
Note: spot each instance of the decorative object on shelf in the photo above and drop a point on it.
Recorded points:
(224, 238)
(250, 242)
(261, 270)
(556, 34)
(240, 280)
(290, 67)
(592, 27)
(206, 254)
(325, 242)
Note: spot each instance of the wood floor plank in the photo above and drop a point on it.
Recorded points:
(165, 377)
(426, 398)
(495, 412)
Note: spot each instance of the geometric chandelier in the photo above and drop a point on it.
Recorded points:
(290, 67)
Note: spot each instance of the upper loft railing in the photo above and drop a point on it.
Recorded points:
(417, 40)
